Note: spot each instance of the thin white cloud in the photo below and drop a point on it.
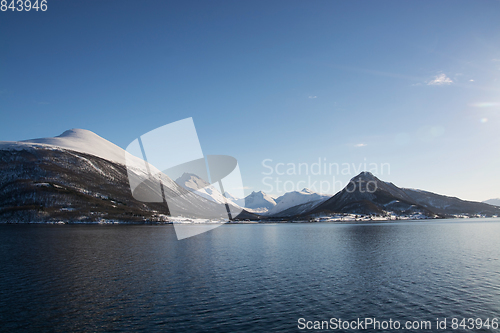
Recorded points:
(360, 145)
(485, 104)
(439, 80)
(312, 97)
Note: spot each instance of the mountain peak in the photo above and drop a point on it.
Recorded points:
(191, 181)
(259, 200)
(365, 175)
(297, 198)
(187, 175)
(84, 141)
(76, 132)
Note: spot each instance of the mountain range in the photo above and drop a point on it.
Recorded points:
(81, 177)
(256, 202)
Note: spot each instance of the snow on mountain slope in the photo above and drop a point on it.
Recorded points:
(238, 201)
(79, 140)
(256, 202)
(230, 196)
(195, 184)
(259, 201)
(88, 142)
(76, 141)
(296, 198)
(85, 141)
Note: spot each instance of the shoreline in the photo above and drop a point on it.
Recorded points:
(359, 221)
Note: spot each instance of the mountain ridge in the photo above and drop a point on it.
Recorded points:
(382, 198)
(296, 198)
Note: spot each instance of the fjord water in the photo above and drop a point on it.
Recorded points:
(245, 278)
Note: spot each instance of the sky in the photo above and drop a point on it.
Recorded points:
(409, 90)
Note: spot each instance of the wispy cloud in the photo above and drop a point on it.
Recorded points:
(312, 97)
(484, 104)
(419, 80)
(360, 145)
(439, 80)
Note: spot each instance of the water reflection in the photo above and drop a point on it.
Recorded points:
(245, 278)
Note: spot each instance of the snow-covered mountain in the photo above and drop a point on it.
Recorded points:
(494, 202)
(296, 198)
(259, 202)
(192, 182)
(256, 202)
(79, 176)
(87, 142)
(83, 141)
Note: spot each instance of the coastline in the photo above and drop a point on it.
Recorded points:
(264, 222)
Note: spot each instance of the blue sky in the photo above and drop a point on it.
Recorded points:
(411, 84)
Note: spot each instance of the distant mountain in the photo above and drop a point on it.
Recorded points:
(255, 202)
(450, 206)
(494, 202)
(195, 184)
(306, 199)
(259, 202)
(366, 194)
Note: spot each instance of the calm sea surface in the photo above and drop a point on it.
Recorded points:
(246, 278)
